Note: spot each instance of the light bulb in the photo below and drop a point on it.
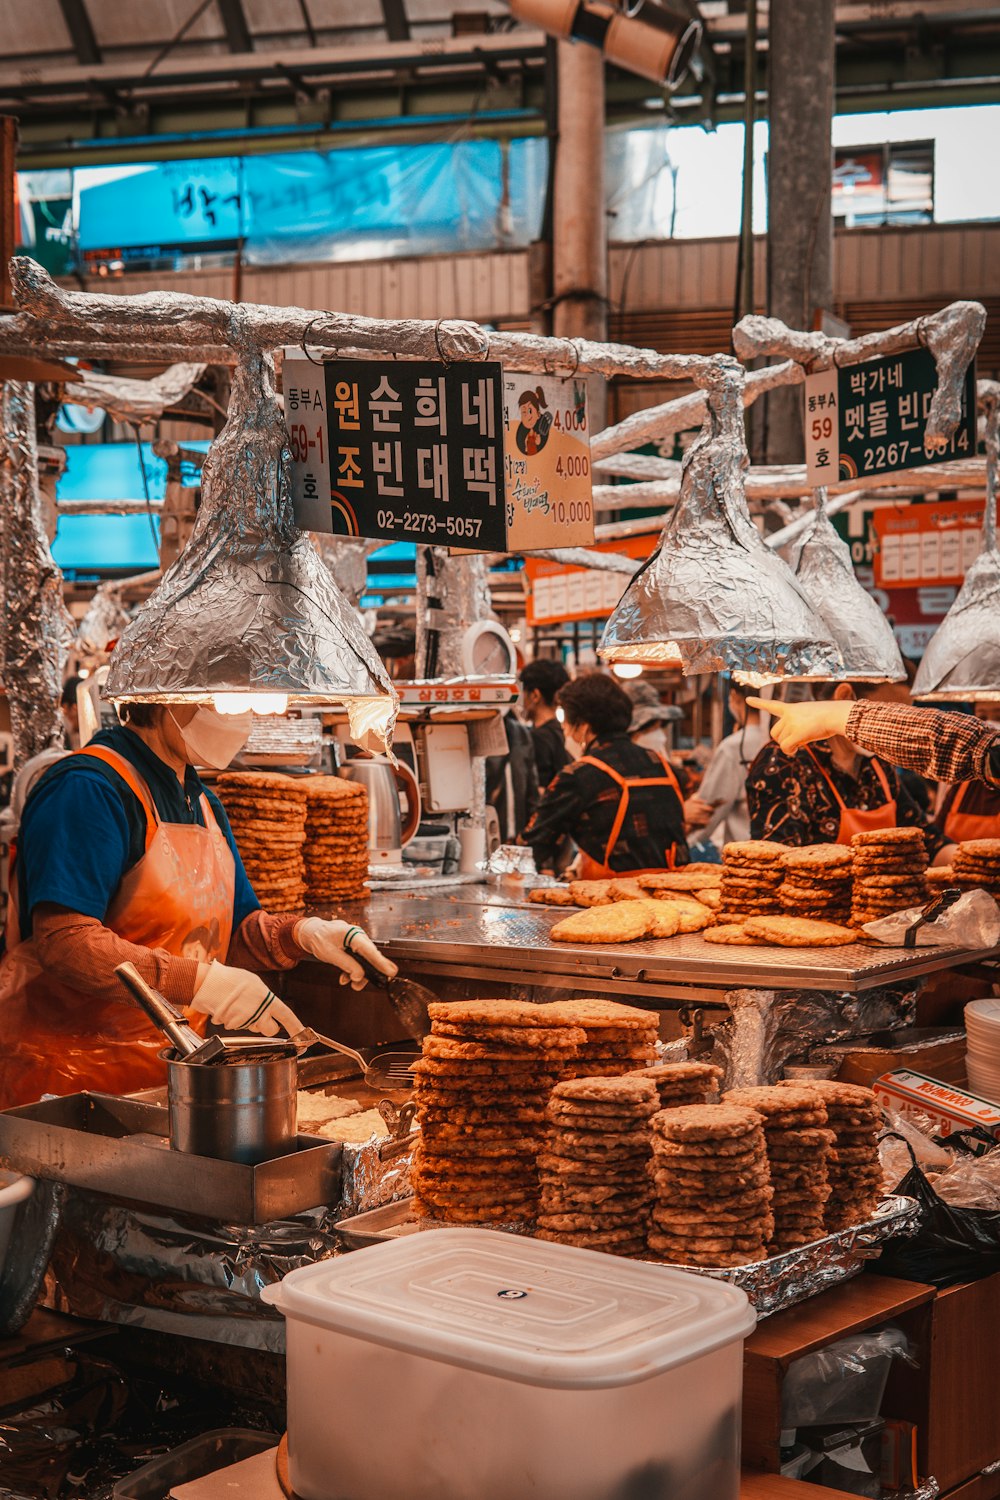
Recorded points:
(627, 669)
(243, 703)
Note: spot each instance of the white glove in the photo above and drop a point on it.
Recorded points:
(238, 1000)
(333, 943)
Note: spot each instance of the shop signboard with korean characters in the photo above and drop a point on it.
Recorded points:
(462, 455)
(870, 418)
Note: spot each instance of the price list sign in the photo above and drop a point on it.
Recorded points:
(406, 450)
(870, 418)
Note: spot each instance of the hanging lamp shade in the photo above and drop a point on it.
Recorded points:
(962, 662)
(861, 631)
(249, 615)
(713, 597)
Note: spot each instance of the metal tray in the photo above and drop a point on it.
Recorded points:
(771, 1285)
(120, 1147)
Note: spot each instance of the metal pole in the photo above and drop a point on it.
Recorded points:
(800, 225)
(745, 300)
(8, 214)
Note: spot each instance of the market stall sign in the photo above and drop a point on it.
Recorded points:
(927, 544)
(870, 418)
(464, 455)
(557, 593)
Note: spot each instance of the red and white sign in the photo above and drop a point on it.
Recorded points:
(926, 544)
(915, 1096)
(556, 593)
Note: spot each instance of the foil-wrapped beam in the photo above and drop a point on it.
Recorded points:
(460, 586)
(863, 635)
(952, 335)
(36, 627)
(789, 482)
(712, 597)
(684, 412)
(962, 662)
(347, 559)
(582, 557)
(51, 315)
(133, 401)
(249, 607)
(638, 466)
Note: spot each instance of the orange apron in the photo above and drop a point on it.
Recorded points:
(179, 896)
(592, 869)
(960, 826)
(857, 819)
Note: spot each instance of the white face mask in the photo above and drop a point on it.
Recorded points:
(573, 747)
(213, 739)
(653, 739)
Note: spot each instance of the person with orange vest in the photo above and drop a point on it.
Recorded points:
(123, 854)
(618, 801)
(830, 791)
(971, 809)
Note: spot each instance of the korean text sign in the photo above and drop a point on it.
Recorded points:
(870, 418)
(443, 453)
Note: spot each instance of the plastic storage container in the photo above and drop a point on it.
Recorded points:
(192, 1460)
(465, 1364)
(14, 1190)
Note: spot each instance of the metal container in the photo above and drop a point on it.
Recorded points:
(388, 832)
(244, 1112)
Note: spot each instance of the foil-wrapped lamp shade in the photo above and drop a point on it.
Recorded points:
(962, 661)
(713, 597)
(862, 633)
(249, 615)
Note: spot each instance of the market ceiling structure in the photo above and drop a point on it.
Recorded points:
(85, 76)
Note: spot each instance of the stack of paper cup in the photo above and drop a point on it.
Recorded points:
(982, 1057)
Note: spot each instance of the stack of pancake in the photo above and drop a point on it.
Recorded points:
(977, 866)
(481, 1090)
(798, 1153)
(267, 813)
(889, 872)
(685, 1083)
(711, 1185)
(817, 882)
(752, 874)
(854, 1167)
(336, 847)
(595, 1187)
(619, 1038)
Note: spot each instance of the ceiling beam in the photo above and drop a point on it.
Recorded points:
(397, 24)
(81, 33)
(234, 22)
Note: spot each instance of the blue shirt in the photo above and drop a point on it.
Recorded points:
(83, 829)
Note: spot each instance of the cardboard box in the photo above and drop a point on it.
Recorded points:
(916, 1096)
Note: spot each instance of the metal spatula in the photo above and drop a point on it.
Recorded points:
(376, 1074)
(408, 999)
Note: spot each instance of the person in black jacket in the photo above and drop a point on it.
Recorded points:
(540, 682)
(620, 802)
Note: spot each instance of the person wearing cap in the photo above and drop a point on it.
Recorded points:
(124, 855)
(650, 717)
(831, 791)
(618, 801)
(540, 682)
(724, 786)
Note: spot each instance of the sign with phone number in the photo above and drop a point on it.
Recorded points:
(463, 455)
(870, 418)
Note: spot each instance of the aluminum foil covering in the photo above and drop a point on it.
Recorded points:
(249, 605)
(452, 594)
(863, 635)
(372, 1176)
(347, 559)
(952, 335)
(963, 659)
(766, 1028)
(784, 1280)
(104, 621)
(133, 400)
(35, 629)
(712, 597)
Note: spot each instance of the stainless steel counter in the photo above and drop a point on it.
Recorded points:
(477, 934)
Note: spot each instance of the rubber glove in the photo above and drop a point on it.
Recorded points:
(239, 1001)
(333, 942)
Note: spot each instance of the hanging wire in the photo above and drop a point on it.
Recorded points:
(145, 490)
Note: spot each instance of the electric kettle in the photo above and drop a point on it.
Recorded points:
(388, 829)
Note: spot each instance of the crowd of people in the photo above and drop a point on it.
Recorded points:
(593, 781)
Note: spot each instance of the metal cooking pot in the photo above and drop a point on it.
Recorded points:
(245, 1111)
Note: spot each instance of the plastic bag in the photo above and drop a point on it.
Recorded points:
(907, 1143)
(973, 922)
(843, 1382)
(951, 1244)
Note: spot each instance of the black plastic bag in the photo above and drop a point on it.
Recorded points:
(951, 1244)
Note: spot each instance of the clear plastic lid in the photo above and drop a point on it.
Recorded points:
(505, 1305)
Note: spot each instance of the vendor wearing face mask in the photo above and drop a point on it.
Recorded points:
(620, 802)
(830, 791)
(124, 855)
